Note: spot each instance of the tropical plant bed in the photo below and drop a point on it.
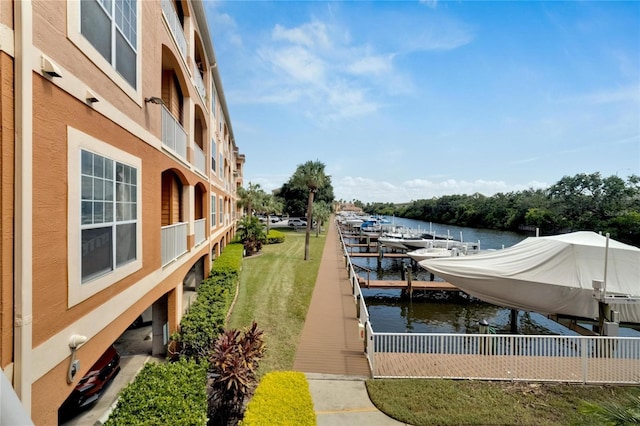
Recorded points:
(451, 402)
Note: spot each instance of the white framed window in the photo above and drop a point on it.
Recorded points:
(104, 219)
(221, 166)
(221, 214)
(213, 210)
(107, 32)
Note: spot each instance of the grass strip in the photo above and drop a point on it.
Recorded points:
(464, 402)
(275, 291)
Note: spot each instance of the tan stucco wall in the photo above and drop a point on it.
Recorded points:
(54, 110)
(6, 13)
(6, 208)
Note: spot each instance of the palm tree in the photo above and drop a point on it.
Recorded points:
(322, 212)
(310, 175)
(250, 198)
(271, 205)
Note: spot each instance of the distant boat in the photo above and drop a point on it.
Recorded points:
(431, 253)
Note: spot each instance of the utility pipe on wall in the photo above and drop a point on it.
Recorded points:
(23, 208)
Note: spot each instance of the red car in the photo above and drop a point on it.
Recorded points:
(93, 384)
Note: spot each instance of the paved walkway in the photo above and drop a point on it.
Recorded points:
(331, 352)
(330, 343)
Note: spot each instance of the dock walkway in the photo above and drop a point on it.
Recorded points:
(330, 343)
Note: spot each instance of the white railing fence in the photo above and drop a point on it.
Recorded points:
(174, 136)
(199, 83)
(199, 230)
(199, 159)
(176, 27)
(580, 359)
(174, 242)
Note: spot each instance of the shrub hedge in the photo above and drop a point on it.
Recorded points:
(164, 394)
(275, 237)
(175, 393)
(282, 398)
(203, 323)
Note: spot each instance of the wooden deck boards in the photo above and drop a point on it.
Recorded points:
(330, 342)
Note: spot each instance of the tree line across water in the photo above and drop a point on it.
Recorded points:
(581, 202)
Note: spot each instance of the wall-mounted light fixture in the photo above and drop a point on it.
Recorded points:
(49, 68)
(91, 97)
(154, 100)
(75, 342)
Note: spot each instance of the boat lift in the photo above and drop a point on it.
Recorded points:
(608, 320)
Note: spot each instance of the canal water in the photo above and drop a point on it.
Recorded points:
(446, 312)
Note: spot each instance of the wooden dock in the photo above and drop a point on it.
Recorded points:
(415, 285)
(384, 256)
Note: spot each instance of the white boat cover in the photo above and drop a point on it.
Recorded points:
(549, 275)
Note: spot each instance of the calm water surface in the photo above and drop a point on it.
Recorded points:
(444, 312)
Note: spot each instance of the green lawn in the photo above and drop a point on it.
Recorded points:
(275, 291)
(458, 402)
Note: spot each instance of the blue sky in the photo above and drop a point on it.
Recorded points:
(411, 100)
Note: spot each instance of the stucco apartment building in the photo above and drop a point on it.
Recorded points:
(119, 180)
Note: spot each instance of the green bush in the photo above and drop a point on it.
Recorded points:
(282, 398)
(176, 393)
(275, 237)
(204, 321)
(229, 262)
(164, 394)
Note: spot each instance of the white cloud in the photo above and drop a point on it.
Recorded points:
(311, 35)
(371, 65)
(430, 3)
(370, 190)
(298, 63)
(629, 94)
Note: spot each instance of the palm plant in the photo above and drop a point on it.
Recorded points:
(310, 175)
(271, 205)
(250, 198)
(321, 213)
(251, 233)
(614, 413)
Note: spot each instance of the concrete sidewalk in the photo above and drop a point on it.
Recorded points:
(344, 401)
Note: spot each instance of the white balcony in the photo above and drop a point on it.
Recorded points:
(199, 83)
(199, 159)
(173, 21)
(174, 136)
(174, 242)
(200, 226)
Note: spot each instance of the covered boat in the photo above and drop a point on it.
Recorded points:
(551, 275)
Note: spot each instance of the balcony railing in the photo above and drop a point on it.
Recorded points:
(199, 83)
(174, 242)
(176, 27)
(174, 136)
(200, 226)
(199, 160)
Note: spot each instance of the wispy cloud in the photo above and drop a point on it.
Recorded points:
(624, 94)
(349, 188)
(430, 3)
